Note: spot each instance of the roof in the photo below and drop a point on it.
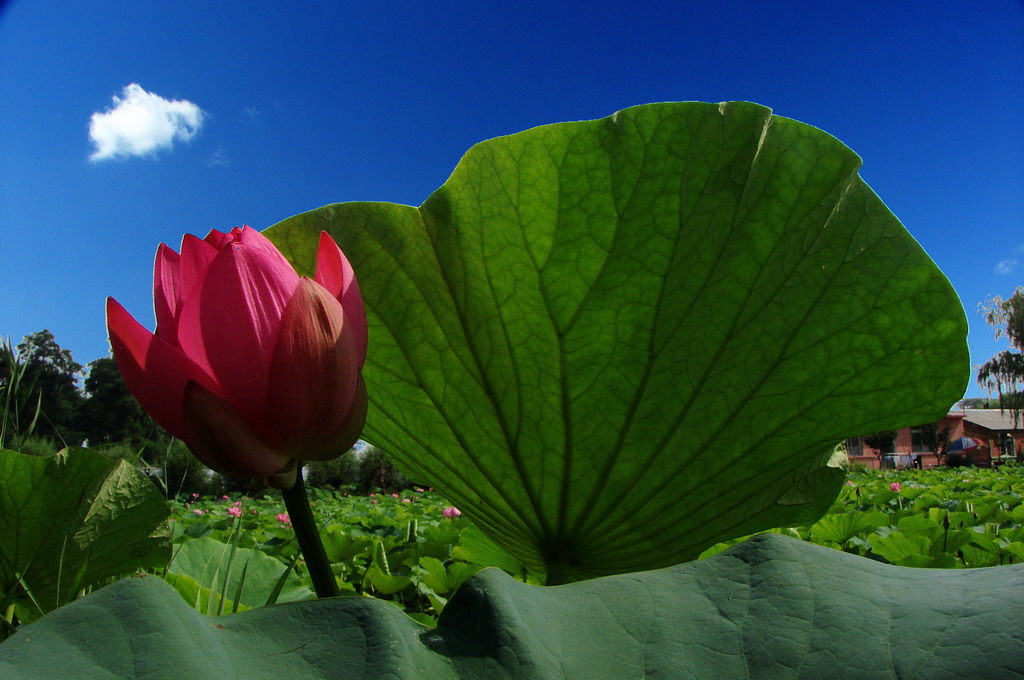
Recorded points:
(992, 419)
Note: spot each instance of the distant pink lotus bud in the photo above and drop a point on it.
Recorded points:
(251, 365)
(419, 490)
(895, 486)
(451, 513)
(283, 518)
(225, 497)
(407, 500)
(235, 511)
(254, 512)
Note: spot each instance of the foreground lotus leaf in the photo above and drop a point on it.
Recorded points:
(770, 607)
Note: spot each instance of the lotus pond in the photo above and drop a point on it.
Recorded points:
(404, 549)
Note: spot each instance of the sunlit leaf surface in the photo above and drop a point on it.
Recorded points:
(614, 343)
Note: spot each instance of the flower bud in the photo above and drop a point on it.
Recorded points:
(251, 365)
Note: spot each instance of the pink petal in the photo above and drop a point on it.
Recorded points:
(342, 439)
(334, 273)
(229, 323)
(196, 256)
(154, 371)
(254, 239)
(314, 370)
(223, 438)
(219, 239)
(165, 290)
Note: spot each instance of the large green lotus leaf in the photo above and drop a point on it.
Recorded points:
(771, 607)
(70, 521)
(207, 560)
(614, 343)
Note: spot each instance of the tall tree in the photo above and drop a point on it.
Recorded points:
(109, 412)
(935, 439)
(55, 374)
(882, 442)
(1004, 373)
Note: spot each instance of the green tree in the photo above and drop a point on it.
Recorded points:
(1004, 373)
(882, 442)
(935, 439)
(54, 373)
(979, 402)
(109, 412)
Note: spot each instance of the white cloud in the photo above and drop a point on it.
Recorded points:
(141, 123)
(1006, 266)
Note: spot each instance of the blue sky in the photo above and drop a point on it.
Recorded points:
(295, 105)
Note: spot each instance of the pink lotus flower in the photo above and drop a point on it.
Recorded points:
(451, 513)
(895, 486)
(407, 500)
(251, 365)
(235, 511)
(394, 495)
(283, 518)
(199, 512)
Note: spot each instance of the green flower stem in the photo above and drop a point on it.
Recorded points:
(304, 524)
(8, 622)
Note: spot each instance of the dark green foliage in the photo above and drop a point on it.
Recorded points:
(176, 471)
(51, 374)
(343, 471)
(882, 442)
(956, 460)
(20, 403)
(109, 412)
(979, 403)
(36, 446)
(41, 372)
(376, 471)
